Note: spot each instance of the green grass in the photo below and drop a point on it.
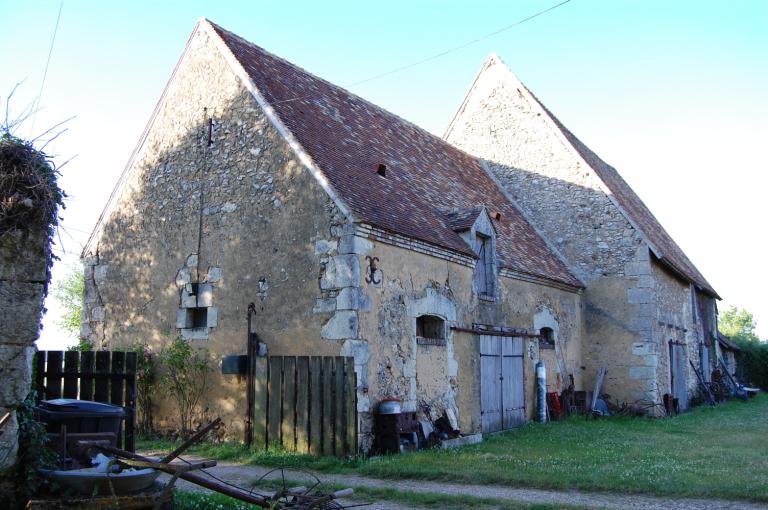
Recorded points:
(708, 452)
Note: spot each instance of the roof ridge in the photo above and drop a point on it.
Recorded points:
(337, 133)
(338, 87)
(585, 154)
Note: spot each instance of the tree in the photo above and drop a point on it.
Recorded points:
(69, 293)
(184, 379)
(738, 324)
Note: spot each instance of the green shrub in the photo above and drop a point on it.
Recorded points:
(752, 363)
(185, 376)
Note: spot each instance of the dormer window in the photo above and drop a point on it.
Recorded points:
(485, 265)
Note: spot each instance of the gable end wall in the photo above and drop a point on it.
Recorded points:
(264, 232)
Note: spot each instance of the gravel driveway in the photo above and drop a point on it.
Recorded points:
(245, 475)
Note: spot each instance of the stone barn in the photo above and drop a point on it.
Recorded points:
(357, 233)
(648, 312)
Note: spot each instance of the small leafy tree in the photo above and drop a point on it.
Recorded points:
(185, 376)
(145, 385)
(737, 324)
(69, 293)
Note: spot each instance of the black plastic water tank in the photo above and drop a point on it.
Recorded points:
(80, 416)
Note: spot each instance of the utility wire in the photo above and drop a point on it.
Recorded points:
(441, 54)
(461, 46)
(45, 73)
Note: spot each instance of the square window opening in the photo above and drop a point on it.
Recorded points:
(430, 326)
(197, 317)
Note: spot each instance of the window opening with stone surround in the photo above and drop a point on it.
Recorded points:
(196, 315)
(546, 338)
(430, 330)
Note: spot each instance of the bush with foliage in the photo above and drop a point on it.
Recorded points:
(69, 294)
(752, 360)
(145, 386)
(752, 363)
(33, 454)
(185, 376)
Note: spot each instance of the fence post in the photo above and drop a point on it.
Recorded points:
(131, 359)
(288, 428)
(101, 390)
(327, 411)
(86, 379)
(260, 411)
(315, 406)
(350, 404)
(71, 369)
(302, 404)
(53, 374)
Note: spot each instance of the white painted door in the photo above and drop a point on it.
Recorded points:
(502, 391)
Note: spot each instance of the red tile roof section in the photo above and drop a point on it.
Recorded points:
(348, 137)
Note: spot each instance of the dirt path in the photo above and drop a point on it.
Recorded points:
(245, 475)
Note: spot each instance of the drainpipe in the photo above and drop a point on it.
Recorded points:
(541, 391)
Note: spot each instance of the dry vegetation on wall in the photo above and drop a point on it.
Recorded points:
(29, 194)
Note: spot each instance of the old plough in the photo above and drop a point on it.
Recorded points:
(299, 498)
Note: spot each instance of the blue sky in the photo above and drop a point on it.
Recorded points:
(671, 93)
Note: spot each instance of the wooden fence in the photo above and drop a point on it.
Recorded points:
(306, 404)
(102, 376)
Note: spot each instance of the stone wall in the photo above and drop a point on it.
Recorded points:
(23, 280)
(562, 198)
(501, 122)
(674, 320)
(216, 212)
(446, 376)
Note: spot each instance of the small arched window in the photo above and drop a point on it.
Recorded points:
(546, 338)
(430, 330)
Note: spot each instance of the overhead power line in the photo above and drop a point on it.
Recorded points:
(461, 46)
(442, 53)
(45, 72)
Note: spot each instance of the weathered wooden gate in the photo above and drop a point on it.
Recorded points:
(502, 382)
(306, 404)
(677, 373)
(102, 376)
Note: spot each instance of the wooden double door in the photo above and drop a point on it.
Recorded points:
(502, 389)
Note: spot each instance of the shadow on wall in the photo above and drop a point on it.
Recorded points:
(217, 202)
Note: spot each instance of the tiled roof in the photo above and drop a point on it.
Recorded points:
(667, 249)
(726, 342)
(348, 138)
(464, 219)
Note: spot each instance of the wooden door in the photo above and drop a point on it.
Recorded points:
(677, 373)
(502, 391)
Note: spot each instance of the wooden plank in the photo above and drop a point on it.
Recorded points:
(53, 374)
(288, 423)
(40, 374)
(71, 362)
(327, 407)
(275, 390)
(598, 388)
(339, 421)
(117, 383)
(101, 390)
(315, 405)
(261, 384)
(131, 359)
(86, 380)
(302, 404)
(350, 406)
